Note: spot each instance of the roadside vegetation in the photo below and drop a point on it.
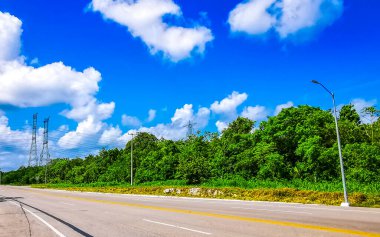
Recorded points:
(290, 157)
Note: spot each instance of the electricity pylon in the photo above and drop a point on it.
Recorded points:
(33, 160)
(190, 127)
(45, 155)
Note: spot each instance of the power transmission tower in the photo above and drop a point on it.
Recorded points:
(33, 160)
(190, 127)
(45, 155)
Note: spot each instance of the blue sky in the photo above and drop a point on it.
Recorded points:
(183, 60)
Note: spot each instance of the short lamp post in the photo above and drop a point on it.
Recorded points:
(345, 203)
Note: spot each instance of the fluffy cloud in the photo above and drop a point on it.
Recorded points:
(57, 83)
(177, 128)
(113, 137)
(110, 135)
(144, 19)
(228, 105)
(127, 120)
(359, 105)
(220, 125)
(255, 113)
(89, 127)
(183, 115)
(286, 17)
(10, 32)
(151, 115)
(14, 145)
(24, 86)
(280, 107)
(252, 17)
(132, 121)
(85, 130)
(101, 111)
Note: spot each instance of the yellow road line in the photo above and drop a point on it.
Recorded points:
(222, 216)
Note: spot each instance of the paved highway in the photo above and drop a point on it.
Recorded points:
(36, 212)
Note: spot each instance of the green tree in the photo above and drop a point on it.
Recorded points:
(371, 116)
(193, 161)
(294, 126)
(349, 113)
(230, 152)
(238, 127)
(362, 162)
(270, 164)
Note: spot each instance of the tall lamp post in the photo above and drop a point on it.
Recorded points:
(345, 203)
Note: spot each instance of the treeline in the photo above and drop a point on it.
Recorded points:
(299, 143)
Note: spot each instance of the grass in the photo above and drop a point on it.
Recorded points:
(323, 186)
(329, 193)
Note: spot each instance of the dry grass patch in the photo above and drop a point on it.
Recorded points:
(276, 195)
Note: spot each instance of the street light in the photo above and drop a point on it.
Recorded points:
(345, 203)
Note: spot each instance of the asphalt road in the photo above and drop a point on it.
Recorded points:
(35, 212)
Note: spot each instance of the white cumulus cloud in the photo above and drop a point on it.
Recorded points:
(10, 32)
(86, 130)
(26, 86)
(360, 104)
(177, 128)
(151, 115)
(101, 111)
(285, 17)
(14, 145)
(255, 113)
(113, 137)
(220, 125)
(144, 19)
(228, 105)
(227, 108)
(252, 17)
(23, 86)
(132, 121)
(280, 107)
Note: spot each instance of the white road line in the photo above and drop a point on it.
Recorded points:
(179, 227)
(262, 209)
(67, 203)
(42, 220)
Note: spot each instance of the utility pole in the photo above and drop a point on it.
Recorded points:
(33, 160)
(45, 156)
(345, 203)
(132, 134)
(190, 127)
